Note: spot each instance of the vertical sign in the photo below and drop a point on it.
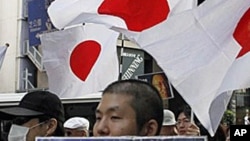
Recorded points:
(132, 63)
(38, 20)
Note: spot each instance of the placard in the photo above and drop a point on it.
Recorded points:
(160, 81)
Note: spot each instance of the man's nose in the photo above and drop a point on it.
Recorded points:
(102, 128)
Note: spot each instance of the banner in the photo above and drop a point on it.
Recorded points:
(124, 138)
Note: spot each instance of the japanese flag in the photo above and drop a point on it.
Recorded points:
(125, 16)
(197, 54)
(80, 60)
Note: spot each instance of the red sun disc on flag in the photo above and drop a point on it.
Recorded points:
(242, 33)
(137, 14)
(83, 58)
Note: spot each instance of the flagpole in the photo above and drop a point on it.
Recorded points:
(121, 57)
(192, 116)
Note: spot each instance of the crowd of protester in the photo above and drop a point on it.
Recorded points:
(127, 108)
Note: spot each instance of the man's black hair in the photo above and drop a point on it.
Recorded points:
(146, 100)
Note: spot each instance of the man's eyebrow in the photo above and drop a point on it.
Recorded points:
(111, 109)
(186, 118)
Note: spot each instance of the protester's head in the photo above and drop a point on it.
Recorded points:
(76, 127)
(185, 124)
(39, 113)
(168, 118)
(129, 107)
(169, 124)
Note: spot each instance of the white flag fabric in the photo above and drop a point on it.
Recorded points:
(80, 60)
(196, 54)
(238, 76)
(3, 50)
(195, 48)
(134, 15)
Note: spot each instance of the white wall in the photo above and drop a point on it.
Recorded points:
(9, 15)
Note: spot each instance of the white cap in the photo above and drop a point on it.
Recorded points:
(77, 122)
(168, 118)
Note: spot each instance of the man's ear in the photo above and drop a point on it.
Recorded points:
(86, 133)
(51, 126)
(150, 128)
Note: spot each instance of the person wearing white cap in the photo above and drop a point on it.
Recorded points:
(76, 127)
(169, 124)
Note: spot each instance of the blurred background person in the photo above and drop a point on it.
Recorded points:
(246, 118)
(185, 124)
(39, 114)
(228, 134)
(169, 124)
(76, 127)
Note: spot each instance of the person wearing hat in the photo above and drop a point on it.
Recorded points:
(169, 124)
(76, 127)
(39, 113)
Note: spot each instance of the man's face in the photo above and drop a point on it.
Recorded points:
(115, 116)
(183, 123)
(168, 130)
(75, 133)
(35, 128)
